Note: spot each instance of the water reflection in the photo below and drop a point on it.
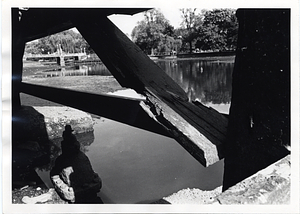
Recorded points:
(77, 70)
(205, 81)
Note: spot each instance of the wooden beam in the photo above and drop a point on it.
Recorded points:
(18, 47)
(41, 22)
(259, 120)
(200, 130)
(124, 110)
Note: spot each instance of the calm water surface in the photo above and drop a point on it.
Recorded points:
(138, 166)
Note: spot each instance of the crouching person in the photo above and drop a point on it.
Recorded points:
(73, 176)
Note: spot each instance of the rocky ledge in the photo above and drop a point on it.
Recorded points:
(268, 186)
(56, 117)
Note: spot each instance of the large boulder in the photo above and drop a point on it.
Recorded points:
(56, 117)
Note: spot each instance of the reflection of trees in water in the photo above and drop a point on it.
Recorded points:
(78, 70)
(87, 70)
(207, 81)
(98, 69)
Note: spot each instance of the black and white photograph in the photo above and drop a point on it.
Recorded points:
(163, 107)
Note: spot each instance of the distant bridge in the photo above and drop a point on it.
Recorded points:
(59, 55)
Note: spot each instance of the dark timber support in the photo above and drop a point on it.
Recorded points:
(18, 46)
(124, 110)
(259, 119)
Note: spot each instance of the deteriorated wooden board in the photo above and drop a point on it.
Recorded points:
(99, 104)
(200, 130)
(194, 137)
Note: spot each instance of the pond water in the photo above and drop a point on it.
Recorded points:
(138, 166)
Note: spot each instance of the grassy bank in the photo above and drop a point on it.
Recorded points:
(91, 84)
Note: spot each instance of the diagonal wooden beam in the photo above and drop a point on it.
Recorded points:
(124, 110)
(200, 130)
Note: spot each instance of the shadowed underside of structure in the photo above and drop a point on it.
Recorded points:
(167, 110)
(259, 119)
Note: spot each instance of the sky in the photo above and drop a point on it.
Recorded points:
(126, 23)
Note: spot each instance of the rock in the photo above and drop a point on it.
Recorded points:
(193, 196)
(38, 199)
(64, 190)
(32, 192)
(56, 117)
(268, 186)
(28, 126)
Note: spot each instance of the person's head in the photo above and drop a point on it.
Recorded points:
(68, 129)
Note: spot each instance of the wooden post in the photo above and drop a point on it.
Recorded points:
(259, 119)
(18, 47)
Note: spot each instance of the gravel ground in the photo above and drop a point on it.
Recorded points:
(193, 196)
(18, 195)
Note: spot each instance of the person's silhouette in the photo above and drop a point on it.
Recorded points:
(69, 145)
(73, 176)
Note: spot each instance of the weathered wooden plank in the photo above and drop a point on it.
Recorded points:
(124, 110)
(198, 129)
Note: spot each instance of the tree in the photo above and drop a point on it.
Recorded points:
(154, 34)
(190, 26)
(70, 41)
(219, 30)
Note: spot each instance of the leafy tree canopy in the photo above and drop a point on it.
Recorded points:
(190, 25)
(219, 30)
(205, 30)
(154, 34)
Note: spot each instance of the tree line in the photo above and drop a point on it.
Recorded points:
(207, 30)
(69, 41)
